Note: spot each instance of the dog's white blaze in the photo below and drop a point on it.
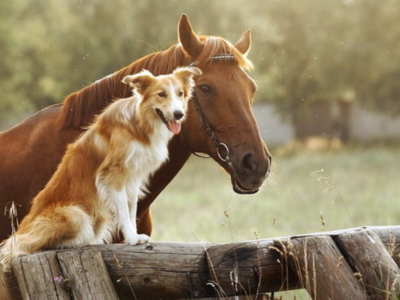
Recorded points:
(176, 102)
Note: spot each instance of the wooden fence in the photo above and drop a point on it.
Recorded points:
(358, 263)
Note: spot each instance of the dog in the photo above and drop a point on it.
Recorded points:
(93, 194)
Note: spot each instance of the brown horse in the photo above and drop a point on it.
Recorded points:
(220, 123)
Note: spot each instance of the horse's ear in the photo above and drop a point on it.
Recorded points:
(188, 38)
(140, 81)
(244, 43)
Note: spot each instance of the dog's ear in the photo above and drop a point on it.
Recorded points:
(140, 81)
(186, 74)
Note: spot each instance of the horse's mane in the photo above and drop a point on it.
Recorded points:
(79, 108)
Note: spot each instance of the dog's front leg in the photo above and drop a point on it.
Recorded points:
(117, 202)
(127, 225)
(142, 238)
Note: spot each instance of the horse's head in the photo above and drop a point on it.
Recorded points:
(220, 119)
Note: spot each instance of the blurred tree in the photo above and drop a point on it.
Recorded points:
(304, 51)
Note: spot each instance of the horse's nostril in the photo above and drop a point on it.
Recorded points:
(249, 163)
(178, 114)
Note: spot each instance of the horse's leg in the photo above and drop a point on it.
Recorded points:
(144, 222)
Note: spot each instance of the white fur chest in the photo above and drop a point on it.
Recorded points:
(143, 160)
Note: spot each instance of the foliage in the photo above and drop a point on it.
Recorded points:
(304, 51)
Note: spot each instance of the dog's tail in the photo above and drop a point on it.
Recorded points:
(9, 251)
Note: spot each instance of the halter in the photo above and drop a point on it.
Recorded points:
(219, 145)
(210, 133)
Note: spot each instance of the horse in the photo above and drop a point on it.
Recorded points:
(219, 123)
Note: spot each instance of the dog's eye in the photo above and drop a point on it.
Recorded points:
(180, 94)
(162, 94)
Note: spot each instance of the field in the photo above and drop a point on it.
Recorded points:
(310, 191)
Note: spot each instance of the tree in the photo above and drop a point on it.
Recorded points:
(304, 51)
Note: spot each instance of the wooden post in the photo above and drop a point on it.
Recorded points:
(372, 262)
(85, 275)
(36, 276)
(321, 269)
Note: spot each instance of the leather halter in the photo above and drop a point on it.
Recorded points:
(210, 132)
(219, 145)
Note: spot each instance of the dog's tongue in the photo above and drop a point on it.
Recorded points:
(174, 126)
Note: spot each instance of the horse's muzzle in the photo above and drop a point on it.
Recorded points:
(250, 173)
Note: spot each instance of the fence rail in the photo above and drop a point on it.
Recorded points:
(357, 263)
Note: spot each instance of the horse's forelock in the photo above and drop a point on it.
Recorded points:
(214, 46)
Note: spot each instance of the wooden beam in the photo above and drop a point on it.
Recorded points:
(158, 270)
(195, 270)
(247, 268)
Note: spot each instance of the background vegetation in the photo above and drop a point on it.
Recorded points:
(308, 50)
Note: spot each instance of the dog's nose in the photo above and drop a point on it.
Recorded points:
(178, 114)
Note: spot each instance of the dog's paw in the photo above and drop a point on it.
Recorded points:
(137, 239)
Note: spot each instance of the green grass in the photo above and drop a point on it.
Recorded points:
(310, 191)
(353, 186)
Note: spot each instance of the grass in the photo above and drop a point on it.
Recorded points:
(310, 191)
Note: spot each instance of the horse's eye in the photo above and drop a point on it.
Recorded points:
(162, 94)
(204, 88)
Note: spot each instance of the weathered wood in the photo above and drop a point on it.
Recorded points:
(390, 237)
(247, 268)
(196, 270)
(85, 273)
(158, 270)
(371, 260)
(321, 269)
(36, 276)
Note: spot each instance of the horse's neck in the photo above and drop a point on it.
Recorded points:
(80, 107)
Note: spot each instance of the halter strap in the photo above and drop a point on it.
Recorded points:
(220, 146)
(218, 57)
(210, 131)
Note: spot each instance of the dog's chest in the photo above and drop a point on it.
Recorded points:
(146, 159)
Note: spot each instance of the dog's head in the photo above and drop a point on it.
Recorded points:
(165, 95)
